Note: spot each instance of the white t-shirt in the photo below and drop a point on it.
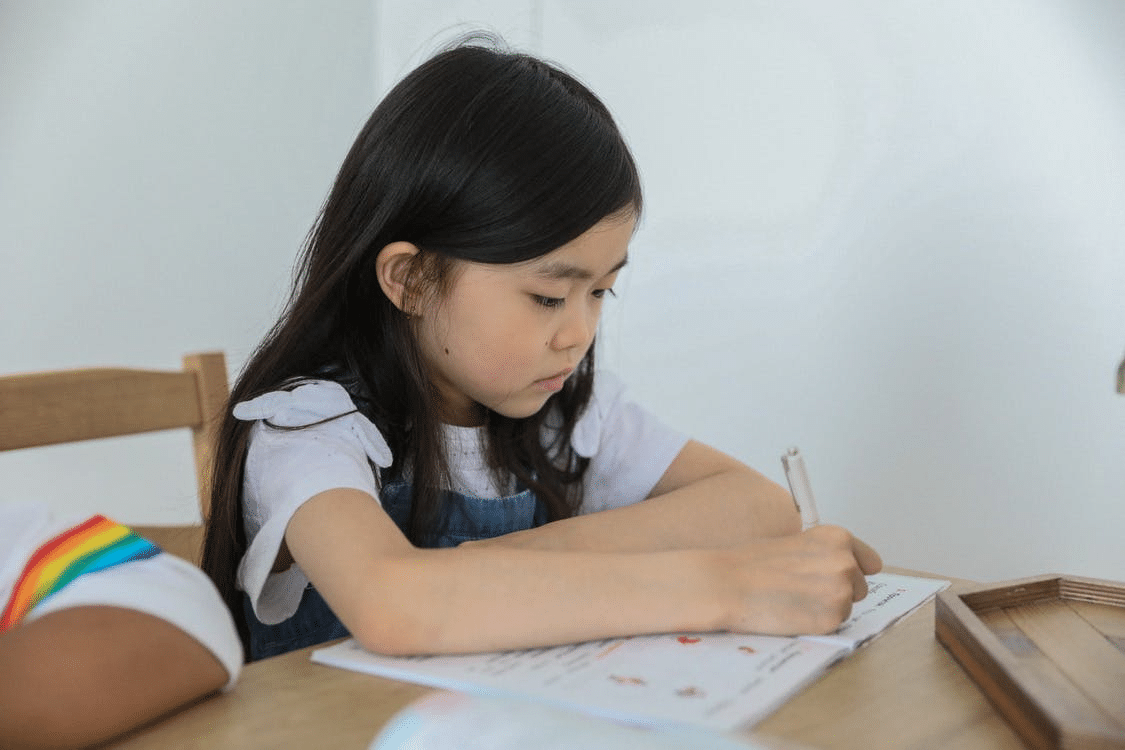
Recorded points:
(628, 447)
(162, 585)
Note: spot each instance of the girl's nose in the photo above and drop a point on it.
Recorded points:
(577, 330)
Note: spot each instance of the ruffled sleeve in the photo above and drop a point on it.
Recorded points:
(304, 441)
(629, 447)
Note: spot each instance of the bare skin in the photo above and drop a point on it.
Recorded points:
(81, 676)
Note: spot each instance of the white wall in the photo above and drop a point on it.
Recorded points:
(888, 233)
(160, 164)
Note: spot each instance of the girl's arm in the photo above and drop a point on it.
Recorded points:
(704, 499)
(397, 599)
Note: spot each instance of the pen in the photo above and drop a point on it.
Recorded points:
(800, 488)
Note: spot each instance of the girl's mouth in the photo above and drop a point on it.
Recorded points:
(553, 383)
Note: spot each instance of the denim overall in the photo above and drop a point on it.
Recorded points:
(466, 519)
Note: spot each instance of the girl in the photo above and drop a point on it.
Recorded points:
(420, 452)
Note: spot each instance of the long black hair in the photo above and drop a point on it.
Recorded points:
(480, 154)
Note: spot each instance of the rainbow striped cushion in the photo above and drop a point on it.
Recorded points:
(95, 544)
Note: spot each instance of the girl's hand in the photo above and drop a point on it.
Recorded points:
(800, 584)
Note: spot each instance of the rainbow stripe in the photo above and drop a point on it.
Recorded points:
(93, 545)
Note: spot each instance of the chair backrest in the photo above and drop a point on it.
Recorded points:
(63, 406)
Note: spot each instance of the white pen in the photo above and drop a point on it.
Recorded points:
(800, 488)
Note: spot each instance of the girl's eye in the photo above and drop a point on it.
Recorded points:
(548, 302)
(599, 293)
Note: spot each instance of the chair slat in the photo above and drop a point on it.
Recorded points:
(64, 406)
(98, 403)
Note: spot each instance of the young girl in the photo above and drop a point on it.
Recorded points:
(421, 453)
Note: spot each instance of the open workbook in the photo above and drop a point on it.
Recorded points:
(717, 681)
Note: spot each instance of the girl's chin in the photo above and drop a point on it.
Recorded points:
(523, 407)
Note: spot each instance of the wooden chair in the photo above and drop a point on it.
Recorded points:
(64, 406)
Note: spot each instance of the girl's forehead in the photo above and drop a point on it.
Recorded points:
(568, 269)
(599, 251)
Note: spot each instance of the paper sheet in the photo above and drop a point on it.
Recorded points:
(712, 680)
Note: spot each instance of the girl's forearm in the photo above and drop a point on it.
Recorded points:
(398, 599)
(468, 600)
(465, 600)
(721, 510)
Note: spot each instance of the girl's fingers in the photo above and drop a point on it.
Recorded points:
(859, 585)
(868, 559)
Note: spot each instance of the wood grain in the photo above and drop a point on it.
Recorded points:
(1047, 652)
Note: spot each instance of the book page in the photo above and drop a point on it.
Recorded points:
(711, 680)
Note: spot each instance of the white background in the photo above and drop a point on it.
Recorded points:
(891, 233)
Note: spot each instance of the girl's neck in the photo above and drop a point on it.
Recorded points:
(474, 416)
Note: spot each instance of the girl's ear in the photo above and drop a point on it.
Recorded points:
(393, 269)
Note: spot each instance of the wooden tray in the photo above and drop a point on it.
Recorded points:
(1049, 652)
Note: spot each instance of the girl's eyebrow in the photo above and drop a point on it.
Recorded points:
(559, 270)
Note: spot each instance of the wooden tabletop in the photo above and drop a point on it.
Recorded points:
(903, 691)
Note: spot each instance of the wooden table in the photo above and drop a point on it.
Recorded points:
(901, 692)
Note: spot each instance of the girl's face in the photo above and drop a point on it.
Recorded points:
(506, 336)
